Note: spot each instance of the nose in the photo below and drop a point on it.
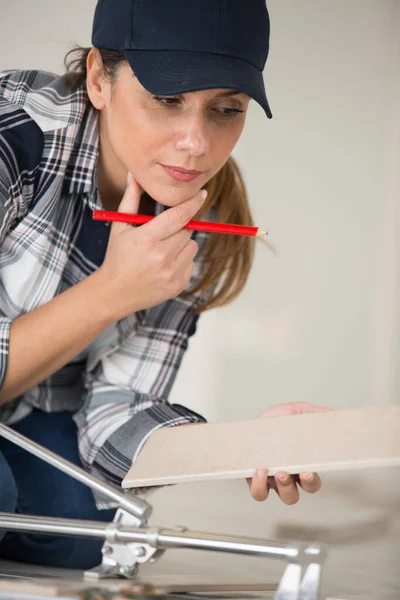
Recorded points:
(193, 137)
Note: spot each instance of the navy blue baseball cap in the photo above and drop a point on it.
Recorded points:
(178, 46)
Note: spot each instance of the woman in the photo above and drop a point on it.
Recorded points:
(94, 320)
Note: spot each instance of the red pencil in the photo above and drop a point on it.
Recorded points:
(104, 215)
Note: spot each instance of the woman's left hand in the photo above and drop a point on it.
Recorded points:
(285, 485)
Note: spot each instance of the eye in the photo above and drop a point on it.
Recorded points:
(224, 112)
(229, 113)
(166, 100)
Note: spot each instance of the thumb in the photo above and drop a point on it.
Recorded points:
(131, 198)
(292, 408)
(129, 204)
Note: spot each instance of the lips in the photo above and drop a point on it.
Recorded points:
(182, 170)
(180, 174)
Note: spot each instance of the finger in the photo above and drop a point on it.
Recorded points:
(184, 265)
(258, 485)
(292, 408)
(286, 488)
(176, 218)
(177, 242)
(129, 203)
(271, 483)
(310, 482)
(187, 255)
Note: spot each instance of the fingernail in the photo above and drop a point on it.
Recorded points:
(283, 478)
(129, 179)
(309, 477)
(262, 474)
(204, 194)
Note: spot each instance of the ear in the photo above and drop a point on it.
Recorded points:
(97, 84)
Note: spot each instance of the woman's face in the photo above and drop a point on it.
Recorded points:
(151, 135)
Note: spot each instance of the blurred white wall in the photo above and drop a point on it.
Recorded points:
(320, 322)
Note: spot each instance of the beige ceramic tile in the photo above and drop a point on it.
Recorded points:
(328, 441)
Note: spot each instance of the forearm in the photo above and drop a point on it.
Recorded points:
(46, 339)
(129, 418)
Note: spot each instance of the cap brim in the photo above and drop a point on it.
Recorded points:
(169, 72)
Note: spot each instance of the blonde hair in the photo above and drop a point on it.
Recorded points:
(227, 259)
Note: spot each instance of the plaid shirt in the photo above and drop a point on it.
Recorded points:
(118, 388)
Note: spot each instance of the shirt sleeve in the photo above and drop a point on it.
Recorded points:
(127, 391)
(21, 146)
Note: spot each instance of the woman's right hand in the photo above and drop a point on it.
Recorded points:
(147, 265)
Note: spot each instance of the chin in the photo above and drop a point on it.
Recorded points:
(171, 195)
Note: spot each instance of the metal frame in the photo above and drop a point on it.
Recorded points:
(128, 541)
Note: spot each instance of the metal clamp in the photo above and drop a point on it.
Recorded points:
(122, 559)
